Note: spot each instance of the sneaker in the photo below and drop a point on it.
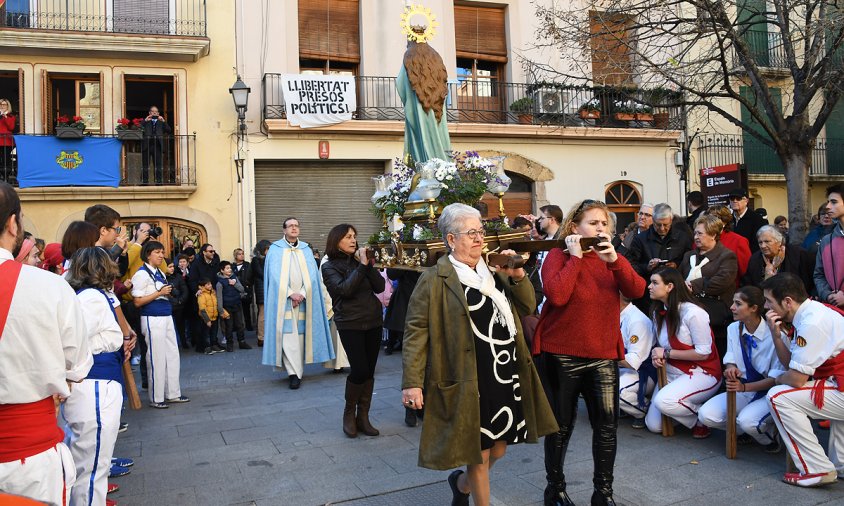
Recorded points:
(775, 446)
(638, 423)
(810, 480)
(112, 488)
(124, 426)
(158, 405)
(178, 400)
(243, 345)
(216, 349)
(458, 498)
(208, 351)
(700, 432)
(117, 471)
(122, 462)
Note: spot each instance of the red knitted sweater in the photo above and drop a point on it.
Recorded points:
(581, 315)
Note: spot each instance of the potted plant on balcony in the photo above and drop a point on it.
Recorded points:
(70, 127)
(630, 110)
(129, 130)
(523, 107)
(590, 109)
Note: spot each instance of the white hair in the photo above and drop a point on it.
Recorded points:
(769, 229)
(452, 216)
(662, 211)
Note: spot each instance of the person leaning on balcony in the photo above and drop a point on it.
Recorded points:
(8, 170)
(463, 344)
(156, 130)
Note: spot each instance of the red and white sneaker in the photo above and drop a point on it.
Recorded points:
(112, 488)
(810, 480)
(700, 432)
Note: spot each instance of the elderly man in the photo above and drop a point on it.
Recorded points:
(644, 220)
(747, 222)
(296, 330)
(44, 348)
(659, 245)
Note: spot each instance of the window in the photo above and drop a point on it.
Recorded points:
(73, 95)
(518, 199)
(612, 54)
(328, 35)
(481, 43)
(15, 13)
(624, 199)
(140, 93)
(759, 158)
(327, 67)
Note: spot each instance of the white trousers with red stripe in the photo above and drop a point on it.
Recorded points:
(92, 416)
(163, 361)
(793, 409)
(681, 398)
(46, 476)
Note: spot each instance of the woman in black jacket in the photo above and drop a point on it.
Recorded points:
(352, 283)
(259, 256)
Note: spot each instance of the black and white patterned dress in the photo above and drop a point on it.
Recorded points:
(502, 417)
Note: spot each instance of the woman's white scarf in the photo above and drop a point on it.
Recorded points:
(480, 278)
(694, 272)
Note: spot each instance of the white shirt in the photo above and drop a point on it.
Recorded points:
(104, 334)
(818, 335)
(638, 333)
(763, 356)
(143, 283)
(693, 330)
(45, 342)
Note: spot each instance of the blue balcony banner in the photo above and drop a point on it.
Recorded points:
(51, 161)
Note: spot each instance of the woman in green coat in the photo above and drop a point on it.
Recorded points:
(463, 344)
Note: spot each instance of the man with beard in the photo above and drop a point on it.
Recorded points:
(43, 349)
(548, 225)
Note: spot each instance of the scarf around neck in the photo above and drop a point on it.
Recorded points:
(480, 278)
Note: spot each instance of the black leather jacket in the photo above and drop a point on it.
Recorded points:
(352, 287)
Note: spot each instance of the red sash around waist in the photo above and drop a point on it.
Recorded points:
(832, 368)
(711, 365)
(28, 429)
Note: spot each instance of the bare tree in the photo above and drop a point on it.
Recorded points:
(708, 50)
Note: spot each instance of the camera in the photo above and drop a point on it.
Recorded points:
(155, 232)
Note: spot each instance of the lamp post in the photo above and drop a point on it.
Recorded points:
(240, 95)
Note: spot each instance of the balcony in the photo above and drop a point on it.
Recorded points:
(497, 103)
(178, 179)
(173, 30)
(762, 161)
(767, 50)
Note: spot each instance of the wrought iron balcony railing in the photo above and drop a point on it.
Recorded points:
(766, 49)
(759, 159)
(152, 17)
(177, 155)
(493, 101)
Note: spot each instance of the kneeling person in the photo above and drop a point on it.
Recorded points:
(750, 366)
(636, 375)
(813, 385)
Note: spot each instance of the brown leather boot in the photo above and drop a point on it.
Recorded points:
(352, 396)
(363, 409)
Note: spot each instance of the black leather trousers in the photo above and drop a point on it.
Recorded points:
(565, 379)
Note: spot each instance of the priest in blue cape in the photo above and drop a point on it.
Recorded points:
(296, 330)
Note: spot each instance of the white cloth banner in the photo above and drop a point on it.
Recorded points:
(315, 101)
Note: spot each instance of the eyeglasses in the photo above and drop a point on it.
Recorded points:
(473, 234)
(735, 199)
(117, 229)
(210, 251)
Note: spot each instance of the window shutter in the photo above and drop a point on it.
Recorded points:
(149, 16)
(612, 58)
(329, 30)
(21, 103)
(480, 33)
(759, 158)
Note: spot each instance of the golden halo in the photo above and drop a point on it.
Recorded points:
(429, 27)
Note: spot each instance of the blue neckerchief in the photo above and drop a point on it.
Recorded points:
(107, 365)
(646, 370)
(747, 343)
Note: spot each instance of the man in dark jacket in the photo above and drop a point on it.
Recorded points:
(178, 298)
(747, 222)
(696, 205)
(155, 130)
(206, 265)
(243, 271)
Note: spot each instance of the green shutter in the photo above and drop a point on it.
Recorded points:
(751, 19)
(759, 158)
(835, 140)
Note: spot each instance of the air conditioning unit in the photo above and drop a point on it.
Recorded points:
(553, 101)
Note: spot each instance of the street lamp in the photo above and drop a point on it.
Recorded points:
(240, 95)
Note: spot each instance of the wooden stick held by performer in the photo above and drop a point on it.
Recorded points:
(667, 423)
(731, 425)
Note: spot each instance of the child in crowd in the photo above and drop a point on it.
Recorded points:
(207, 303)
(229, 294)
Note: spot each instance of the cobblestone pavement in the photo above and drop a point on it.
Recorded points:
(246, 439)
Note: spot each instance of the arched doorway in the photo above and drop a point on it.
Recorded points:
(623, 198)
(518, 199)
